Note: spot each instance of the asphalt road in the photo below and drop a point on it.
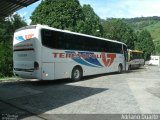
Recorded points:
(135, 92)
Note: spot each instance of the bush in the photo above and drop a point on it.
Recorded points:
(6, 60)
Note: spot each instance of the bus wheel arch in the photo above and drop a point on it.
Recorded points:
(77, 73)
(120, 68)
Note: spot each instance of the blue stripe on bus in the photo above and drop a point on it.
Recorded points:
(79, 60)
(91, 59)
(20, 38)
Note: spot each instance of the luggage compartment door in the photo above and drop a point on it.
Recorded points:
(48, 71)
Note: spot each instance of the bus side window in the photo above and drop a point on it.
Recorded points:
(47, 38)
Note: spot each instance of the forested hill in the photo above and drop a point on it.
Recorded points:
(152, 24)
(142, 22)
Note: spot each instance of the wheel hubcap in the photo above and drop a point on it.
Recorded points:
(76, 74)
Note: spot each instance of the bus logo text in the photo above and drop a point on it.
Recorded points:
(85, 57)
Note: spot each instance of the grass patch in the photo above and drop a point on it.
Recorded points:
(9, 78)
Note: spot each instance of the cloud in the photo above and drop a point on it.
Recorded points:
(138, 8)
(23, 14)
(26, 12)
(124, 8)
(29, 21)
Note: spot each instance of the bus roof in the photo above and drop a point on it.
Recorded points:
(66, 31)
(138, 51)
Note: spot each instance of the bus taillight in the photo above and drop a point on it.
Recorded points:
(36, 65)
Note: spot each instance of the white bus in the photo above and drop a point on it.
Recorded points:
(45, 53)
(135, 59)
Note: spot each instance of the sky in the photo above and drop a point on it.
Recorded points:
(110, 8)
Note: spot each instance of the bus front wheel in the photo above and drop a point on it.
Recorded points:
(76, 74)
(129, 67)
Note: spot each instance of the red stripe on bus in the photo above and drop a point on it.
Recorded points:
(24, 49)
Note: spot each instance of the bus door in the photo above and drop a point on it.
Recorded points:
(125, 52)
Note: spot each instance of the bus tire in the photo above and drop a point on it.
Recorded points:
(120, 68)
(76, 73)
(129, 68)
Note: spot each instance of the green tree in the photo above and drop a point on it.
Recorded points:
(118, 30)
(62, 14)
(7, 27)
(6, 65)
(157, 47)
(145, 43)
(92, 24)
(69, 15)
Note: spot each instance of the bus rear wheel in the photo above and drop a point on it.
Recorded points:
(76, 74)
(129, 67)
